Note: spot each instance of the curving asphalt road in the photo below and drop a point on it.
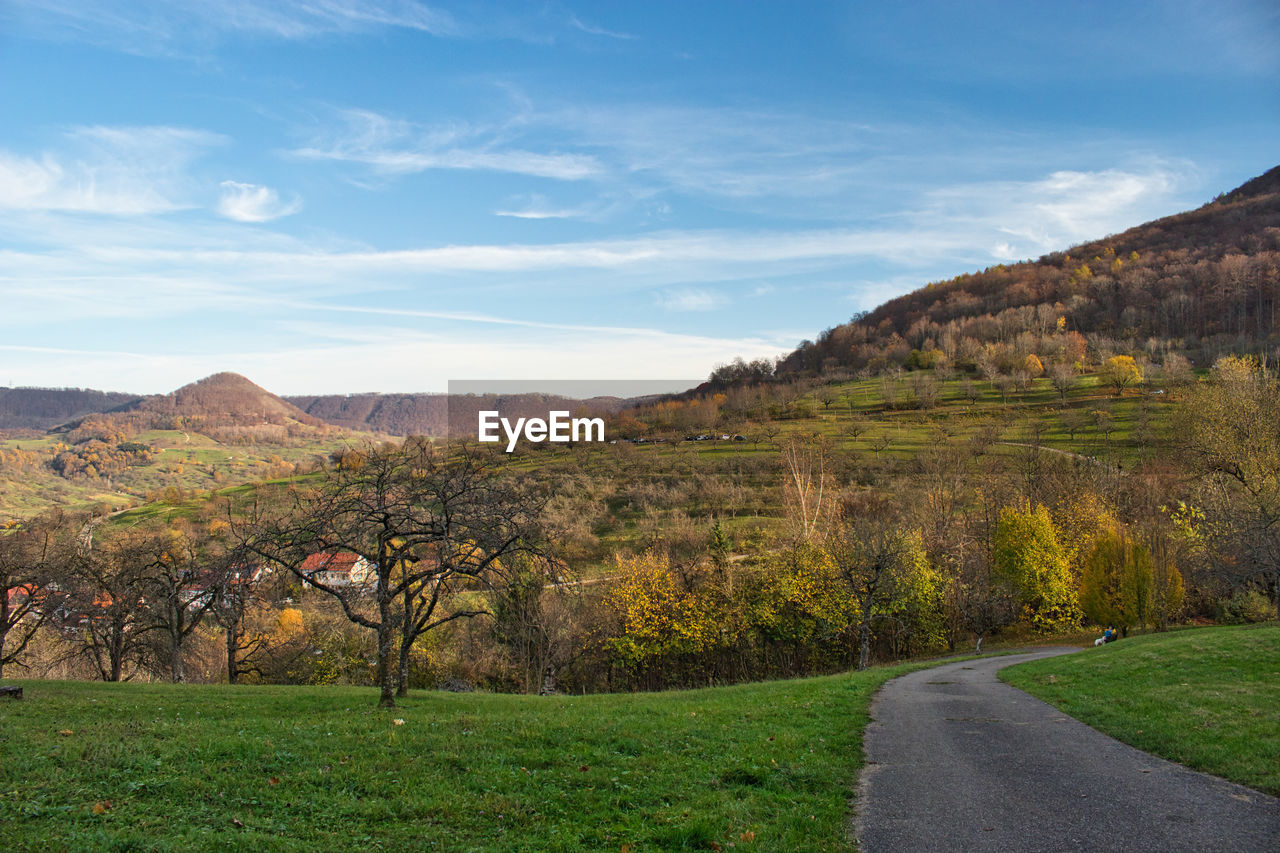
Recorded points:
(957, 760)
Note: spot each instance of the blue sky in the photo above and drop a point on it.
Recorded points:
(384, 195)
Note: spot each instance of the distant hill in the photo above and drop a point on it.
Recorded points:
(44, 408)
(223, 397)
(393, 414)
(225, 406)
(230, 407)
(437, 414)
(1198, 283)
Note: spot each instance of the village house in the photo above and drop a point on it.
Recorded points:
(340, 569)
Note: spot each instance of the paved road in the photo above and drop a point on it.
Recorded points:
(957, 760)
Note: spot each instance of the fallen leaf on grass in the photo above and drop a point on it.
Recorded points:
(65, 732)
(583, 769)
(102, 807)
(747, 837)
(274, 780)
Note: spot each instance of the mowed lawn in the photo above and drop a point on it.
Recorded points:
(1208, 698)
(772, 766)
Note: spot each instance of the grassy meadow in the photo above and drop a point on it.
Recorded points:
(767, 766)
(1207, 698)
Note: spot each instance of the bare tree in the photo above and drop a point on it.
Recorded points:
(235, 599)
(1063, 378)
(179, 586)
(105, 607)
(425, 523)
(29, 556)
(807, 483)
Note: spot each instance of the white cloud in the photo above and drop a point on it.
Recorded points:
(253, 203)
(1029, 218)
(690, 300)
(112, 170)
(396, 146)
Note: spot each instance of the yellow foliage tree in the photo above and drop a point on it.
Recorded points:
(1121, 372)
(657, 615)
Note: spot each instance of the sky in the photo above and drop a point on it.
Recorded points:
(334, 196)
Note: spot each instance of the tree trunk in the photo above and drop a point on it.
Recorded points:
(402, 688)
(117, 660)
(177, 671)
(864, 644)
(4, 623)
(233, 640)
(386, 672)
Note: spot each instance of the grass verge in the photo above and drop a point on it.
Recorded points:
(1207, 698)
(771, 766)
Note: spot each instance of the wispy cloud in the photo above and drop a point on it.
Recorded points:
(690, 300)
(112, 170)
(253, 203)
(726, 153)
(396, 146)
(174, 27)
(590, 29)
(951, 229)
(538, 207)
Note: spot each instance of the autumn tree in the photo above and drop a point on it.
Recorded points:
(1117, 581)
(660, 617)
(1229, 429)
(1028, 557)
(1121, 372)
(879, 566)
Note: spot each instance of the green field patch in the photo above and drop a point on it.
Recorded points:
(1207, 698)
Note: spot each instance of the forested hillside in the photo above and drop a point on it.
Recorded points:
(43, 408)
(1200, 284)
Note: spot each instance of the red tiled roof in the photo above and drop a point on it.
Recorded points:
(343, 561)
(22, 592)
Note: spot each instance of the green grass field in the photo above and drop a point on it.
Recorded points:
(771, 766)
(1207, 698)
